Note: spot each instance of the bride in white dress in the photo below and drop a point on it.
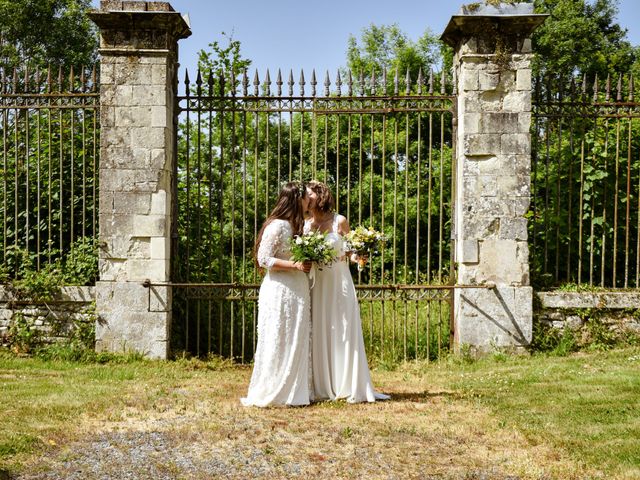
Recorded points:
(339, 361)
(281, 363)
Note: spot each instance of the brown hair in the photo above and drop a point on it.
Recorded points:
(288, 207)
(324, 202)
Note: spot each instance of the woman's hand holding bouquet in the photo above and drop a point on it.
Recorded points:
(363, 242)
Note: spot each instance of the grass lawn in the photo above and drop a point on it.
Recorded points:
(502, 417)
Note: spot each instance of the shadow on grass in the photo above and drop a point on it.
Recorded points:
(422, 397)
(396, 397)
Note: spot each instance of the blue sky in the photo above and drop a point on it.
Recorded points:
(290, 34)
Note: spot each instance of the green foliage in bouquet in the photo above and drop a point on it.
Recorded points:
(313, 247)
(363, 240)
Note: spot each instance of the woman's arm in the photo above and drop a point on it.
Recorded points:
(272, 238)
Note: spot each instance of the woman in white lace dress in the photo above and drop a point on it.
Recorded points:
(339, 360)
(281, 363)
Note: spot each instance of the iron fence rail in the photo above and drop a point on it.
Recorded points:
(384, 148)
(585, 225)
(49, 142)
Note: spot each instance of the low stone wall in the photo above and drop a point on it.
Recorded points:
(619, 312)
(54, 320)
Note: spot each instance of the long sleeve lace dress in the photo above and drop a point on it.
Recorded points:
(281, 363)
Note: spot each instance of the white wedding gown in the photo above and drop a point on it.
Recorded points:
(281, 362)
(339, 361)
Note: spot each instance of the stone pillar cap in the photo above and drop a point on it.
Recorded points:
(516, 19)
(118, 20)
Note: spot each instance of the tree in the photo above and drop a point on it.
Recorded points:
(581, 37)
(42, 32)
(388, 47)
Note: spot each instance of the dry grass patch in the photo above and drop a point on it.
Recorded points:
(184, 420)
(195, 428)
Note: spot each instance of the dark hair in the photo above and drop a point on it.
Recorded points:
(288, 207)
(324, 202)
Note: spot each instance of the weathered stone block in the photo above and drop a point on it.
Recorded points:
(139, 248)
(482, 144)
(160, 117)
(121, 297)
(151, 95)
(133, 203)
(159, 159)
(469, 252)
(155, 270)
(115, 156)
(106, 73)
(480, 227)
(149, 137)
(507, 80)
(488, 101)
(573, 322)
(159, 203)
(134, 6)
(515, 143)
(115, 136)
(112, 269)
(131, 116)
(523, 79)
(517, 101)
(140, 332)
(160, 248)
(160, 299)
(149, 225)
(524, 121)
(498, 317)
(111, 5)
(122, 95)
(488, 185)
(107, 116)
(128, 180)
(500, 263)
(501, 122)
(159, 76)
(489, 79)
(513, 229)
(469, 79)
(471, 123)
(114, 224)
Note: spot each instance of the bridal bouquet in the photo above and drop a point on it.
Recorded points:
(364, 241)
(313, 247)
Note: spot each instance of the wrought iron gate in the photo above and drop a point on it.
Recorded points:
(385, 148)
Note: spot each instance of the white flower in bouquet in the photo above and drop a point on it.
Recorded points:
(363, 242)
(313, 247)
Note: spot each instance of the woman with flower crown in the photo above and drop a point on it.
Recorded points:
(339, 361)
(281, 362)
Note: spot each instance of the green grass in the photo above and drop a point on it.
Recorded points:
(533, 417)
(586, 404)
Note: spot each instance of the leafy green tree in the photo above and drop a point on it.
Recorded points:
(581, 37)
(388, 47)
(41, 32)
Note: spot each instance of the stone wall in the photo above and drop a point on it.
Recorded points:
(54, 320)
(618, 312)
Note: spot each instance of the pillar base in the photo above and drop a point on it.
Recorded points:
(127, 323)
(486, 319)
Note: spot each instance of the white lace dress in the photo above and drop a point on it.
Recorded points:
(281, 363)
(339, 360)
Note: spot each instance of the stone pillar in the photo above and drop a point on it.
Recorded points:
(492, 59)
(139, 53)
